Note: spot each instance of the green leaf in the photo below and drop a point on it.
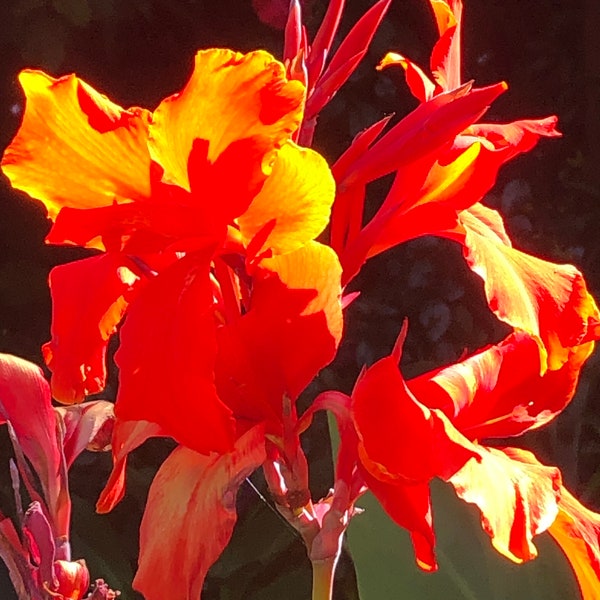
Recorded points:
(469, 567)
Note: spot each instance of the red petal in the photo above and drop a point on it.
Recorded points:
(517, 501)
(499, 392)
(291, 331)
(166, 358)
(420, 85)
(127, 436)
(89, 299)
(190, 515)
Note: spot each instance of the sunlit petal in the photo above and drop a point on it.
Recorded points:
(190, 515)
(76, 148)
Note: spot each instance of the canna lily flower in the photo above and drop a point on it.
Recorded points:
(397, 435)
(231, 306)
(36, 547)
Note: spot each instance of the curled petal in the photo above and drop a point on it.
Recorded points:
(89, 300)
(517, 501)
(190, 515)
(420, 85)
(166, 358)
(126, 437)
(86, 426)
(499, 391)
(548, 301)
(297, 196)
(76, 148)
(261, 105)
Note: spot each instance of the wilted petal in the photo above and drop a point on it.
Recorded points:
(85, 426)
(297, 196)
(75, 147)
(261, 106)
(190, 515)
(546, 300)
(89, 299)
(167, 354)
(290, 332)
(499, 391)
(517, 501)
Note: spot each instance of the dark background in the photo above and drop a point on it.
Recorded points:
(139, 51)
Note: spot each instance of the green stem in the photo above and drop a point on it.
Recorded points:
(323, 571)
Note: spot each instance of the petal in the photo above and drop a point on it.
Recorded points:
(86, 426)
(40, 542)
(420, 85)
(297, 196)
(75, 147)
(517, 501)
(291, 331)
(16, 559)
(230, 97)
(25, 402)
(499, 391)
(126, 437)
(445, 56)
(546, 300)
(409, 505)
(190, 515)
(166, 358)
(89, 298)
(400, 439)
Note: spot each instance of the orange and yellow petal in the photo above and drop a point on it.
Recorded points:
(516, 501)
(75, 147)
(167, 354)
(296, 199)
(546, 300)
(190, 515)
(291, 330)
(230, 97)
(89, 297)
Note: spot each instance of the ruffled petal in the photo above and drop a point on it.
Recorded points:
(166, 358)
(76, 148)
(517, 501)
(229, 98)
(546, 300)
(89, 298)
(499, 391)
(296, 198)
(190, 515)
(291, 331)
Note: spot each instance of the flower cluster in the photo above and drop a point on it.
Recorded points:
(206, 214)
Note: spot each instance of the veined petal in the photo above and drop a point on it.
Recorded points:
(166, 358)
(499, 391)
(517, 501)
(89, 299)
(291, 331)
(546, 300)
(76, 148)
(230, 97)
(190, 515)
(297, 196)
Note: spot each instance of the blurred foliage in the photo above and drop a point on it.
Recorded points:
(139, 51)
